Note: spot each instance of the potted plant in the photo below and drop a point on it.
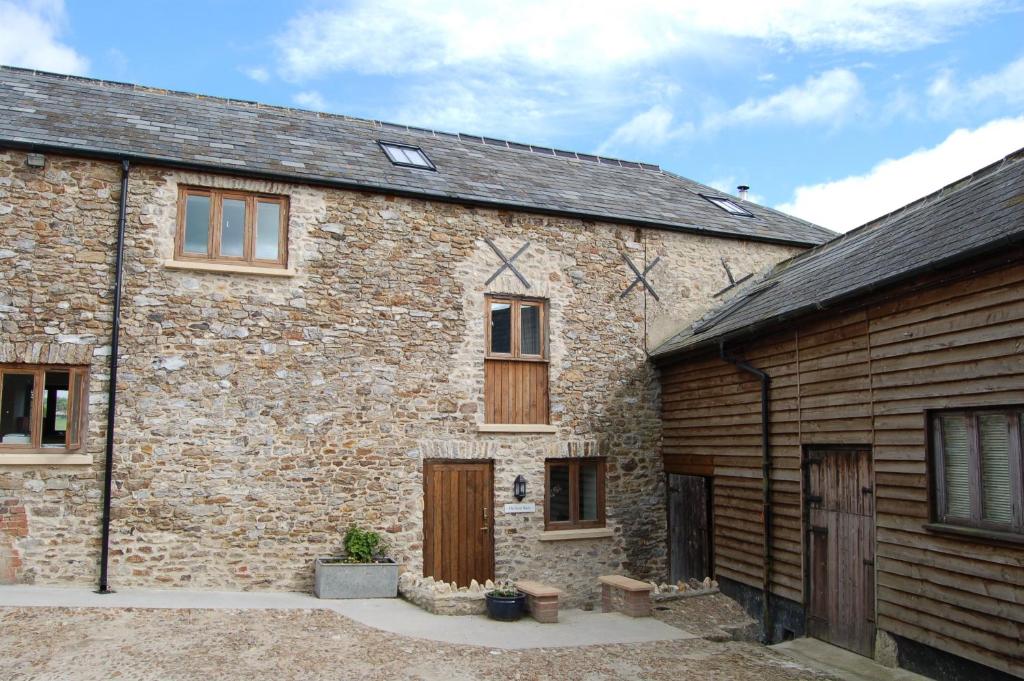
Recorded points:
(363, 572)
(505, 602)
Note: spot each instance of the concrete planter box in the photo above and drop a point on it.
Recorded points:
(335, 579)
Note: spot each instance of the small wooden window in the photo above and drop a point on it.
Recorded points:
(978, 468)
(574, 494)
(516, 328)
(216, 225)
(42, 408)
(515, 366)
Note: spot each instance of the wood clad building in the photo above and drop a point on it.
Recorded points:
(893, 361)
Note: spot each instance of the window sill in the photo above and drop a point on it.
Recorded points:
(564, 535)
(975, 533)
(515, 428)
(223, 268)
(45, 459)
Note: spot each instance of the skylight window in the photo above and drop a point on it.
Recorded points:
(729, 206)
(406, 155)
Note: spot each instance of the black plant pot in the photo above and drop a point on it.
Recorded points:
(505, 608)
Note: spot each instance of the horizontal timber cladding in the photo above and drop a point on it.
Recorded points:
(867, 376)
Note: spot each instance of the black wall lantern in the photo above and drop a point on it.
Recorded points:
(519, 488)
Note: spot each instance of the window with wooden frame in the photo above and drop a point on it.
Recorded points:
(574, 494)
(516, 362)
(42, 408)
(978, 469)
(232, 227)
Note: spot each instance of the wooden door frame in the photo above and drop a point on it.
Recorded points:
(423, 520)
(805, 519)
(710, 503)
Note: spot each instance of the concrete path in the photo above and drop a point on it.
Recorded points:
(810, 652)
(574, 628)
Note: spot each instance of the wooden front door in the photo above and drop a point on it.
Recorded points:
(458, 521)
(689, 527)
(841, 548)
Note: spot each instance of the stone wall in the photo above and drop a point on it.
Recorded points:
(57, 232)
(259, 417)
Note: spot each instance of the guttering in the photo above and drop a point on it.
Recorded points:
(766, 488)
(319, 181)
(115, 335)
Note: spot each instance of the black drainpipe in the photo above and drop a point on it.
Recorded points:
(766, 472)
(115, 335)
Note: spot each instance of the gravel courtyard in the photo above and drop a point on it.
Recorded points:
(72, 644)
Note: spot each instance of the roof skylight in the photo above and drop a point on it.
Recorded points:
(406, 155)
(729, 205)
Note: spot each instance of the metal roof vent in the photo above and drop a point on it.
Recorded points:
(743, 189)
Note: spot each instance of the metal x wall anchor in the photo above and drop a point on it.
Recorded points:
(507, 262)
(640, 278)
(733, 282)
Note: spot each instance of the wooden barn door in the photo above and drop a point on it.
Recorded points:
(458, 545)
(840, 548)
(689, 526)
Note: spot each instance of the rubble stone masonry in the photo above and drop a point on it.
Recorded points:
(258, 417)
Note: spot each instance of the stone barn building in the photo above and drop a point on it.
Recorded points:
(326, 322)
(843, 437)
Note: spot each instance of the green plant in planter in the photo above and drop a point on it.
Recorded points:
(505, 589)
(362, 546)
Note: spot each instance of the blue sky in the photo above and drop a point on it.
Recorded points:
(835, 111)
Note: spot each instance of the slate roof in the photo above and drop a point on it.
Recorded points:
(979, 214)
(51, 112)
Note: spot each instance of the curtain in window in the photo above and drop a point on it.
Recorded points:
(558, 494)
(957, 460)
(588, 492)
(994, 435)
(529, 343)
(501, 328)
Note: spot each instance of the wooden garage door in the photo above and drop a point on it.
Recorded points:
(458, 519)
(841, 548)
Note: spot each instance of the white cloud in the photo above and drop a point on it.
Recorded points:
(844, 204)
(593, 36)
(30, 37)
(827, 98)
(1005, 86)
(310, 99)
(257, 73)
(651, 128)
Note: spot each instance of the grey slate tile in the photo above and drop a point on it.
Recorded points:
(115, 118)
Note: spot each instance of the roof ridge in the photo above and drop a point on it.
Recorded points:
(964, 182)
(383, 125)
(760, 206)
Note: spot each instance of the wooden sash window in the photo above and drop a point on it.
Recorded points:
(42, 408)
(978, 469)
(574, 494)
(242, 228)
(515, 366)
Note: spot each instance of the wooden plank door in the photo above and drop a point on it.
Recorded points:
(689, 526)
(841, 548)
(458, 521)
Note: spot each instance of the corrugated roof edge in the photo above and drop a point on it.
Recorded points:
(383, 125)
(663, 354)
(113, 154)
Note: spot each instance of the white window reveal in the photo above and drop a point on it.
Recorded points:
(406, 155)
